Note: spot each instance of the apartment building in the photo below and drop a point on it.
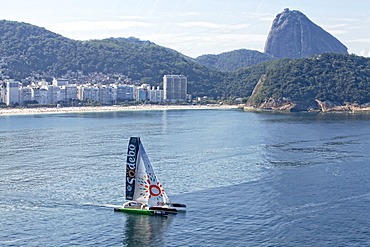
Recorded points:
(155, 95)
(25, 95)
(10, 92)
(125, 92)
(175, 87)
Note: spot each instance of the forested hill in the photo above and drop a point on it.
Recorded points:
(337, 78)
(240, 83)
(32, 48)
(27, 48)
(233, 60)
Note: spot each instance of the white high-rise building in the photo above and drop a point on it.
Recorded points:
(40, 95)
(125, 92)
(175, 87)
(155, 95)
(88, 93)
(70, 92)
(25, 95)
(54, 94)
(107, 94)
(11, 93)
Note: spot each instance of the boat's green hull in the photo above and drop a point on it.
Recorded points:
(137, 211)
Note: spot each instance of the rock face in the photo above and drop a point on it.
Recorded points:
(294, 36)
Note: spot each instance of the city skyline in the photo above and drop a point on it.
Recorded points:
(61, 90)
(191, 27)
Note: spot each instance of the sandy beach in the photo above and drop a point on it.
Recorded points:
(83, 109)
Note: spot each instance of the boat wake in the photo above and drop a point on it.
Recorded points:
(111, 206)
(100, 205)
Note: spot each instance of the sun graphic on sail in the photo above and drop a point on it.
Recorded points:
(150, 187)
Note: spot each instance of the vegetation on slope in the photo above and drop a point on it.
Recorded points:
(332, 77)
(234, 60)
(28, 49)
(242, 82)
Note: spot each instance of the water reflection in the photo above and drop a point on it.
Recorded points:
(306, 117)
(145, 230)
(306, 139)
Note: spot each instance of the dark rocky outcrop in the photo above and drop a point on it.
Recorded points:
(293, 35)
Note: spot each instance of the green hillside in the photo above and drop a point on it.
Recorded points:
(242, 82)
(234, 60)
(331, 77)
(28, 48)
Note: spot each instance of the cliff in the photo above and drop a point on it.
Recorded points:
(293, 35)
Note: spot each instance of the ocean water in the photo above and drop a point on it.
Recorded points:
(248, 179)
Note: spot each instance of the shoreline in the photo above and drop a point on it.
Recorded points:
(90, 109)
(338, 110)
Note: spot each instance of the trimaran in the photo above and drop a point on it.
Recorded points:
(145, 194)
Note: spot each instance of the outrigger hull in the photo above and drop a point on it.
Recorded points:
(164, 209)
(140, 211)
(179, 207)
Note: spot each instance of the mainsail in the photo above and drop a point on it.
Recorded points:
(141, 183)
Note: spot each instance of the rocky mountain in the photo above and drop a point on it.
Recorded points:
(293, 35)
(233, 60)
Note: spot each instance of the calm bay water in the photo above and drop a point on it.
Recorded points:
(248, 179)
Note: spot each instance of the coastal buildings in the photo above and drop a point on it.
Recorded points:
(61, 90)
(60, 82)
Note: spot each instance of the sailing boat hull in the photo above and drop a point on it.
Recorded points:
(164, 209)
(140, 211)
(179, 207)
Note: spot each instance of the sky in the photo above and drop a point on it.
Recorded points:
(192, 27)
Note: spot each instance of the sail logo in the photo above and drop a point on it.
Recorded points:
(131, 168)
(150, 187)
(154, 190)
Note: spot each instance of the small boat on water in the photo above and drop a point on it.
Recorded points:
(144, 192)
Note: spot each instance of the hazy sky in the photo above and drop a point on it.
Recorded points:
(192, 27)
